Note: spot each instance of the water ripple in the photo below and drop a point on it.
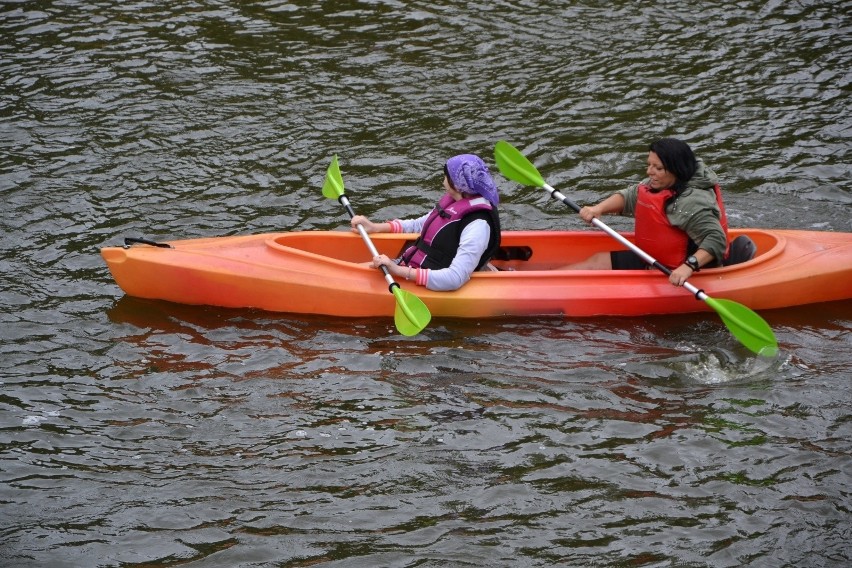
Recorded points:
(139, 433)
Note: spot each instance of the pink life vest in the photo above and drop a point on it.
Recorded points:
(439, 239)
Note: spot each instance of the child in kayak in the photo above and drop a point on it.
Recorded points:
(456, 238)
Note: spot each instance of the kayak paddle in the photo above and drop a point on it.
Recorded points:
(748, 327)
(411, 314)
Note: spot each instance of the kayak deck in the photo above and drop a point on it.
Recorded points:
(324, 272)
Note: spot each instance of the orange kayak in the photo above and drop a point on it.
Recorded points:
(321, 272)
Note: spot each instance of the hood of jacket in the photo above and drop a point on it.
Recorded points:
(704, 178)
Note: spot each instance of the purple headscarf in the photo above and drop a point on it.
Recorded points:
(469, 174)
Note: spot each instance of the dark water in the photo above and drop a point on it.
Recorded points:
(138, 433)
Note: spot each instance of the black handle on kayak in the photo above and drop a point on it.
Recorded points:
(128, 241)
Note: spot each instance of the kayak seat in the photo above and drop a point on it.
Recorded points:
(513, 253)
(508, 253)
(742, 249)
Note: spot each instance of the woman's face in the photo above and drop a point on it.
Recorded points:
(657, 174)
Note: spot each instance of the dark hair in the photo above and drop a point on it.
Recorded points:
(677, 158)
(449, 179)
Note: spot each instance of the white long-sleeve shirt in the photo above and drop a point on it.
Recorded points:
(472, 244)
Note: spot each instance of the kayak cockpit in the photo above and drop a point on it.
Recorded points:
(519, 250)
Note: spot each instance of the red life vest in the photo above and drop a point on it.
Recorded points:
(439, 239)
(656, 235)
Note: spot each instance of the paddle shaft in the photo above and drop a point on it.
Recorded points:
(699, 294)
(369, 242)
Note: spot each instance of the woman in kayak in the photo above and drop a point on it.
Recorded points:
(456, 238)
(680, 216)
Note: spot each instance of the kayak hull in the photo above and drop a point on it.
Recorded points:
(324, 272)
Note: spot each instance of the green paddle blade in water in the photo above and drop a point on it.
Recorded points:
(748, 327)
(411, 315)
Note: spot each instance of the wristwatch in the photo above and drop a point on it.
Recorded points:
(692, 262)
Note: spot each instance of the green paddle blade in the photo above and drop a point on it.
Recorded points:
(747, 326)
(515, 166)
(332, 188)
(411, 314)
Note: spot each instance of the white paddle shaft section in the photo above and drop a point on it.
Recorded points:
(367, 240)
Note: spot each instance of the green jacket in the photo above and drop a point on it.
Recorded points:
(695, 211)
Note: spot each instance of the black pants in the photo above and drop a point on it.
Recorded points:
(627, 260)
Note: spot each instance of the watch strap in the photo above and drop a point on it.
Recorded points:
(692, 262)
